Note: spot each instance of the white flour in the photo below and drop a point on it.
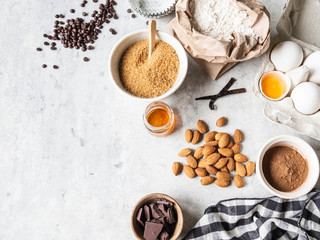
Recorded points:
(219, 19)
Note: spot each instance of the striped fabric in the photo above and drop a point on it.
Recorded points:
(267, 218)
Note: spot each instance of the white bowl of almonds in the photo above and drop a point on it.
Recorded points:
(217, 159)
(142, 78)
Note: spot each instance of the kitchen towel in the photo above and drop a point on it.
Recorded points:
(261, 218)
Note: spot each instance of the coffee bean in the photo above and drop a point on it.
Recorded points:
(84, 14)
(50, 37)
(82, 5)
(90, 47)
(61, 22)
(46, 43)
(129, 10)
(57, 16)
(55, 66)
(53, 48)
(53, 44)
(95, 1)
(114, 32)
(133, 15)
(72, 10)
(86, 59)
(61, 16)
(44, 65)
(45, 35)
(39, 49)
(113, 3)
(111, 29)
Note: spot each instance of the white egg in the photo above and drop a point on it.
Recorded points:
(286, 56)
(306, 97)
(313, 63)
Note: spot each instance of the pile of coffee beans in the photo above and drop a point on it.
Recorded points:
(78, 33)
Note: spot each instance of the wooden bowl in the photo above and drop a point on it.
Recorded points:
(138, 229)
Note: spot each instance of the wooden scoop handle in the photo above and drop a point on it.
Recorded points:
(152, 35)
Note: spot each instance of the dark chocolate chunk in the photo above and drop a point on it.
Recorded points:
(164, 235)
(140, 217)
(146, 212)
(170, 215)
(156, 213)
(152, 230)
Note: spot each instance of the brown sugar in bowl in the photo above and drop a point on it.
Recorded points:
(307, 153)
(138, 230)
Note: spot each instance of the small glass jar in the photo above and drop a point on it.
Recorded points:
(160, 129)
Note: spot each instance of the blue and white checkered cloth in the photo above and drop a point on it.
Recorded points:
(267, 219)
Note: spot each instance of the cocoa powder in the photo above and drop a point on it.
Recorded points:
(284, 168)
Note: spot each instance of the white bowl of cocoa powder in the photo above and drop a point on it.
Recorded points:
(137, 85)
(288, 167)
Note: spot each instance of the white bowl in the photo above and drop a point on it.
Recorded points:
(125, 42)
(306, 151)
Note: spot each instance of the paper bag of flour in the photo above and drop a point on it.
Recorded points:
(218, 56)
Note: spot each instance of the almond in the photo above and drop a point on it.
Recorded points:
(192, 162)
(227, 152)
(224, 141)
(202, 163)
(240, 169)
(202, 126)
(230, 164)
(219, 135)
(238, 181)
(208, 150)
(221, 122)
(224, 169)
(230, 145)
(236, 148)
(196, 137)
(198, 153)
(212, 158)
(240, 158)
(188, 135)
(224, 176)
(237, 136)
(250, 168)
(211, 143)
(221, 183)
(184, 152)
(210, 136)
(207, 180)
(221, 163)
(201, 172)
(176, 168)
(211, 170)
(189, 171)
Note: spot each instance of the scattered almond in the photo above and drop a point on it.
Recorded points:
(196, 137)
(189, 171)
(198, 153)
(207, 180)
(236, 148)
(176, 168)
(250, 168)
(224, 169)
(212, 143)
(238, 181)
(230, 164)
(184, 152)
(224, 176)
(240, 158)
(240, 169)
(192, 162)
(230, 145)
(210, 136)
(221, 122)
(223, 141)
(188, 135)
(202, 163)
(211, 170)
(227, 152)
(213, 158)
(208, 150)
(237, 136)
(218, 136)
(202, 126)
(221, 183)
(201, 172)
(221, 163)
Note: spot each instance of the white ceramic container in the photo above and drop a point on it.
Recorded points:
(305, 150)
(125, 42)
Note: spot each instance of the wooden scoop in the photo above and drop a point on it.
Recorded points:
(152, 35)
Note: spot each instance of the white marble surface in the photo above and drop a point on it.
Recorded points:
(75, 156)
